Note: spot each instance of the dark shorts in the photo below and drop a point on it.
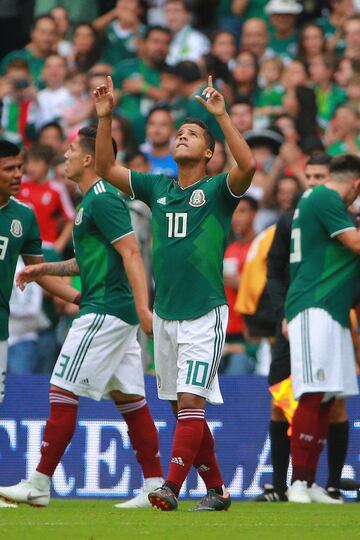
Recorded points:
(280, 358)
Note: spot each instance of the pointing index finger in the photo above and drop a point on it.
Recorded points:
(210, 81)
(110, 84)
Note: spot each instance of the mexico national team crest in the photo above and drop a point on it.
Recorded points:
(16, 228)
(197, 198)
(79, 216)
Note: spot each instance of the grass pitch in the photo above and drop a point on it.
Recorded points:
(98, 520)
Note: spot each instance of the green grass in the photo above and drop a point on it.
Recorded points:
(97, 520)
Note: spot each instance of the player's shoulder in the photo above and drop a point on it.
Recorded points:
(21, 208)
(104, 193)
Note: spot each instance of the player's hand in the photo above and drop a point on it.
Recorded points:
(30, 273)
(104, 98)
(146, 321)
(284, 329)
(215, 102)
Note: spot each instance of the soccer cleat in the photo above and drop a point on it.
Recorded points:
(4, 504)
(25, 492)
(334, 493)
(298, 492)
(319, 495)
(270, 495)
(142, 500)
(163, 498)
(213, 502)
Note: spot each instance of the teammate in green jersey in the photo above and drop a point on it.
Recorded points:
(19, 235)
(191, 220)
(324, 268)
(100, 357)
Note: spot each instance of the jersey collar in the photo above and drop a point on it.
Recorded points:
(194, 184)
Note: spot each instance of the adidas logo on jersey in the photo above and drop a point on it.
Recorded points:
(178, 461)
(162, 200)
(85, 381)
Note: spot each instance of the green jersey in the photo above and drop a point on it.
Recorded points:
(101, 220)
(190, 229)
(19, 235)
(323, 272)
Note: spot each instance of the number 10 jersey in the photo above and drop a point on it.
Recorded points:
(190, 229)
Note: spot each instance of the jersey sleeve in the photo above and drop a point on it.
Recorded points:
(227, 196)
(111, 216)
(143, 186)
(331, 211)
(32, 242)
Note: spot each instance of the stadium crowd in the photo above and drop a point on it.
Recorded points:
(290, 73)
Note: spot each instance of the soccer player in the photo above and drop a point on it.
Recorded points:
(324, 269)
(19, 235)
(316, 173)
(100, 357)
(191, 221)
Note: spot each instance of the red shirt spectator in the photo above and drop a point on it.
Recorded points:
(234, 259)
(51, 204)
(50, 200)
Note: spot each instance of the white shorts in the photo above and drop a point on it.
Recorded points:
(3, 367)
(187, 355)
(100, 354)
(322, 355)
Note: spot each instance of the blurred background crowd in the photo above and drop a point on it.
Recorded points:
(290, 74)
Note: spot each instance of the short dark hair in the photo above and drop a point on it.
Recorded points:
(242, 100)
(252, 202)
(41, 151)
(54, 125)
(157, 28)
(8, 149)
(209, 137)
(39, 18)
(132, 154)
(87, 136)
(164, 107)
(188, 71)
(322, 158)
(347, 164)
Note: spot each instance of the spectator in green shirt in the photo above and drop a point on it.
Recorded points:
(43, 41)
(122, 29)
(328, 94)
(342, 135)
(139, 79)
(283, 34)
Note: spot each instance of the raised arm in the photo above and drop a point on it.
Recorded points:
(135, 271)
(105, 163)
(241, 174)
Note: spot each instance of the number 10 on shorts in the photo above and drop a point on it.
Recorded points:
(197, 373)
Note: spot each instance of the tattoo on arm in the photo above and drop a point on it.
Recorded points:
(62, 268)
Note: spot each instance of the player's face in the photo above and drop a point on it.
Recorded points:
(190, 144)
(10, 175)
(75, 157)
(316, 175)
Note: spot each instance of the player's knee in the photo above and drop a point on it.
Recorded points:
(58, 390)
(120, 397)
(190, 401)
